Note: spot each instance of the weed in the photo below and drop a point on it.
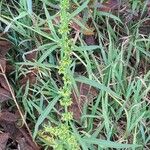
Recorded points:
(62, 136)
(90, 43)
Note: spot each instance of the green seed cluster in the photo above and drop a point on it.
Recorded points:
(65, 63)
(61, 137)
(65, 140)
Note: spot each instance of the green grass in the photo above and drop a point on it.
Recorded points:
(117, 66)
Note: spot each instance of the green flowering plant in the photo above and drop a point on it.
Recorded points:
(61, 137)
(66, 61)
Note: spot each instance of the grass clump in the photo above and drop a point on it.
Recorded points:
(79, 47)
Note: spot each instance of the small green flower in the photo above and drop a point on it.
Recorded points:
(64, 4)
(64, 66)
(65, 92)
(66, 101)
(67, 80)
(72, 141)
(67, 116)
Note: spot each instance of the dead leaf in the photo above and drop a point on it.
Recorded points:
(4, 95)
(86, 95)
(31, 55)
(8, 117)
(26, 140)
(9, 68)
(3, 140)
(4, 47)
(3, 83)
(109, 5)
(90, 40)
(89, 31)
(31, 77)
(4, 90)
(8, 121)
(2, 65)
(23, 145)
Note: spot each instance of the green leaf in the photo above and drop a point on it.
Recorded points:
(29, 4)
(109, 15)
(109, 144)
(79, 9)
(44, 115)
(97, 85)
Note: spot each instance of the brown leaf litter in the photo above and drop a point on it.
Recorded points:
(3, 140)
(16, 134)
(4, 89)
(11, 135)
(86, 94)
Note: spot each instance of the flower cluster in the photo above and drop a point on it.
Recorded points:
(65, 63)
(60, 138)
